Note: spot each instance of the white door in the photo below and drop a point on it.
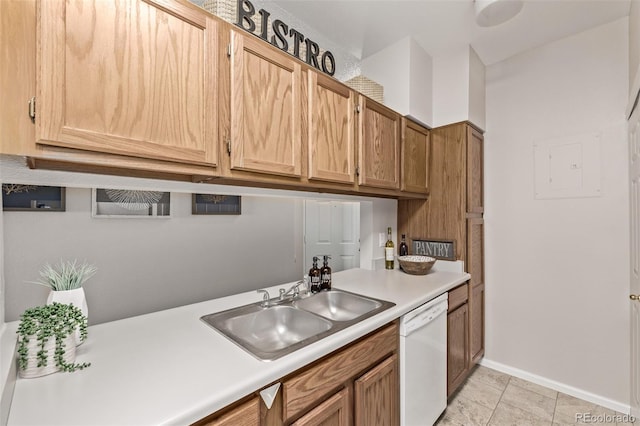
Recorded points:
(634, 174)
(333, 228)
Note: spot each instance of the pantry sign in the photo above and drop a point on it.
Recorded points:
(283, 37)
(439, 249)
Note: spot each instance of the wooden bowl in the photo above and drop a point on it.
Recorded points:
(416, 265)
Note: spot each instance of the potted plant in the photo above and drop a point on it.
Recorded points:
(46, 339)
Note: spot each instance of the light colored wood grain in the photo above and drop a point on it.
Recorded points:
(246, 414)
(332, 412)
(377, 395)
(414, 157)
(17, 75)
(331, 133)
(476, 323)
(457, 347)
(475, 174)
(458, 296)
(307, 388)
(127, 77)
(378, 145)
(475, 253)
(265, 109)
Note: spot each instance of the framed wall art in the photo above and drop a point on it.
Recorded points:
(122, 203)
(439, 249)
(20, 197)
(215, 204)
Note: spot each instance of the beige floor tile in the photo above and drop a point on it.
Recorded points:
(573, 410)
(626, 419)
(464, 412)
(508, 415)
(544, 391)
(529, 401)
(481, 393)
(491, 377)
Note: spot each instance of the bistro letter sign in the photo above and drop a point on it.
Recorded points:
(439, 249)
(282, 35)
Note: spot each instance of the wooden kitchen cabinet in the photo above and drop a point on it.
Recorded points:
(378, 145)
(131, 78)
(245, 414)
(458, 354)
(331, 129)
(415, 151)
(332, 412)
(265, 108)
(377, 395)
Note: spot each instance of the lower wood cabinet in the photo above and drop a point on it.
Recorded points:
(458, 354)
(476, 322)
(356, 385)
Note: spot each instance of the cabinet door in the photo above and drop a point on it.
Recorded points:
(475, 171)
(247, 414)
(415, 157)
(265, 108)
(378, 145)
(475, 267)
(331, 123)
(377, 395)
(457, 347)
(128, 77)
(476, 323)
(332, 412)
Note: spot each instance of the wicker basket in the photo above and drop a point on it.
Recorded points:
(416, 265)
(367, 87)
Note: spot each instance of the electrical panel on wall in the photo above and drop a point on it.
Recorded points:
(568, 167)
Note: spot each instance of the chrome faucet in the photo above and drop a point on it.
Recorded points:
(295, 289)
(265, 298)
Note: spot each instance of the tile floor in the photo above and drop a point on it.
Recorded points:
(489, 397)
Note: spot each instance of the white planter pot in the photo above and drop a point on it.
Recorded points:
(32, 369)
(73, 297)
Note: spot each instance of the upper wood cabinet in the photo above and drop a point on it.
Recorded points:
(331, 129)
(475, 171)
(128, 77)
(265, 108)
(415, 151)
(378, 145)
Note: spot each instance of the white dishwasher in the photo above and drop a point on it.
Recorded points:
(423, 363)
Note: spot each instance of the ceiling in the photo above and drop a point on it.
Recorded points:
(364, 27)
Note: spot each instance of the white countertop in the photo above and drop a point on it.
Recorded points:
(169, 367)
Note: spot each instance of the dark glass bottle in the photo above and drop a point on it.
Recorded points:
(325, 274)
(403, 250)
(314, 276)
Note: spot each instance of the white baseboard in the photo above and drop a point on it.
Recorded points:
(557, 386)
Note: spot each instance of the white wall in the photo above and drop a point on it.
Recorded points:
(634, 43)
(477, 96)
(557, 271)
(451, 87)
(420, 84)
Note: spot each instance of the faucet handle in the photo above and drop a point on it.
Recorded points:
(265, 298)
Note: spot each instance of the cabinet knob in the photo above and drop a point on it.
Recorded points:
(634, 297)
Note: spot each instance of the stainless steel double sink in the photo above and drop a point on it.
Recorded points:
(270, 332)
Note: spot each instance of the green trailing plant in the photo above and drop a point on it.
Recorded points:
(66, 275)
(57, 321)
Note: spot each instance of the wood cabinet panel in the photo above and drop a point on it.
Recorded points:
(378, 145)
(476, 320)
(331, 121)
(475, 171)
(332, 412)
(475, 255)
(415, 150)
(128, 77)
(246, 414)
(377, 395)
(458, 296)
(457, 347)
(265, 108)
(305, 389)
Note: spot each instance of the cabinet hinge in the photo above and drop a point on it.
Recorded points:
(229, 50)
(358, 109)
(229, 147)
(357, 170)
(32, 109)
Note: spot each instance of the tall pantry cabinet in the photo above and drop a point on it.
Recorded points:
(454, 211)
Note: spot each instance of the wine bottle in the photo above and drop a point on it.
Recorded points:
(403, 250)
(388, 251)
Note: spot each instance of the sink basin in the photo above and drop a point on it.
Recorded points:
(287, 325)
(266, 332)
(338, 305)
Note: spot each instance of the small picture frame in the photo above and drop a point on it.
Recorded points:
(438, 249)
(203, 204)
(123, 203)
(20, 197)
